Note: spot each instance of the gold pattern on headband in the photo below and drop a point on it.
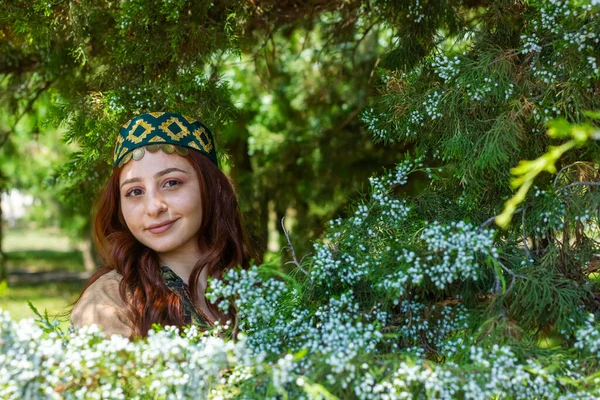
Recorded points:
(156, 138)
(138, 139)
(118, 147)
(194, 145)
(175, 136)
(188, 119)
(122, 152)
(156, 114)
(200, 135)
(126, 124)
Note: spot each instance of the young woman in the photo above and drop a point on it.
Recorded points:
(167, 220)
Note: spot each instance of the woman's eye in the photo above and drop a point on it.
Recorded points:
(171, 183)
(134, 193)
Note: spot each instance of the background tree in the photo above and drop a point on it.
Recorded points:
(298, 86)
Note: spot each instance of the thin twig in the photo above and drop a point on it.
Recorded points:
(373, 70)
(513, 274)
(27, 109)
(580, 183)
(497, 285)
(360, 40)
(527, 252)
(562, 170)
(295, 260)
(490, 220)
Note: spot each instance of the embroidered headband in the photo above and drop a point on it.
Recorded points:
(161, 130)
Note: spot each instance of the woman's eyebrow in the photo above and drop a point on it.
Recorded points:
(166, 171)
(156, 175)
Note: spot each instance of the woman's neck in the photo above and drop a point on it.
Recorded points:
(180, 263)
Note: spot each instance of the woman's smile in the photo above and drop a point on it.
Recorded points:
(160, 227)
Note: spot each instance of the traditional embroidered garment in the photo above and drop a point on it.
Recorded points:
(182, 290)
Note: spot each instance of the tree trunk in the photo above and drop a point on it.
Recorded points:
(85, 246)
(252, 196)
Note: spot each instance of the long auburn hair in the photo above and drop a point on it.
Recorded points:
(223, 241)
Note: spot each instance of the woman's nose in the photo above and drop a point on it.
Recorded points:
(155, 203)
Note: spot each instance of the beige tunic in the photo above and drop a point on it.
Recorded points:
(101, 304)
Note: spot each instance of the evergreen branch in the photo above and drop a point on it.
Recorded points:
(295, 260)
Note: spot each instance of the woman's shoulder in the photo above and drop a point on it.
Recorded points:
(101, 304)
(106, 286)
(108, 277)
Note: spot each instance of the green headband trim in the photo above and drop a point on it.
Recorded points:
(165, 129)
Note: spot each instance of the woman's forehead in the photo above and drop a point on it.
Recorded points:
(152, 163)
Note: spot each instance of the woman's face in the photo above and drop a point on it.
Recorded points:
(160, 201)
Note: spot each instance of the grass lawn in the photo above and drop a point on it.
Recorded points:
(54, 297)
(40, 250)
(36, 251)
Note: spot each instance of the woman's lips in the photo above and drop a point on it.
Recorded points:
(161, 228)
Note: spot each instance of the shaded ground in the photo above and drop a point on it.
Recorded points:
(44, 260)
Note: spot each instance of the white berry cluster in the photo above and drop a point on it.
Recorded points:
(415, 11)
(588, 337)
(560, 27)
(530, 44)
(446, 68)
(432, 105)
(390, 210)
(550, 214)
(170, 364)
(419, 326)
(494, 372)
(114, 103)
(375, 123)
(452, 252)
(339, 331)
(479, 92)
(255, 298)
(415, 120)
(200, 81)
(588, 221)
(328, 269)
